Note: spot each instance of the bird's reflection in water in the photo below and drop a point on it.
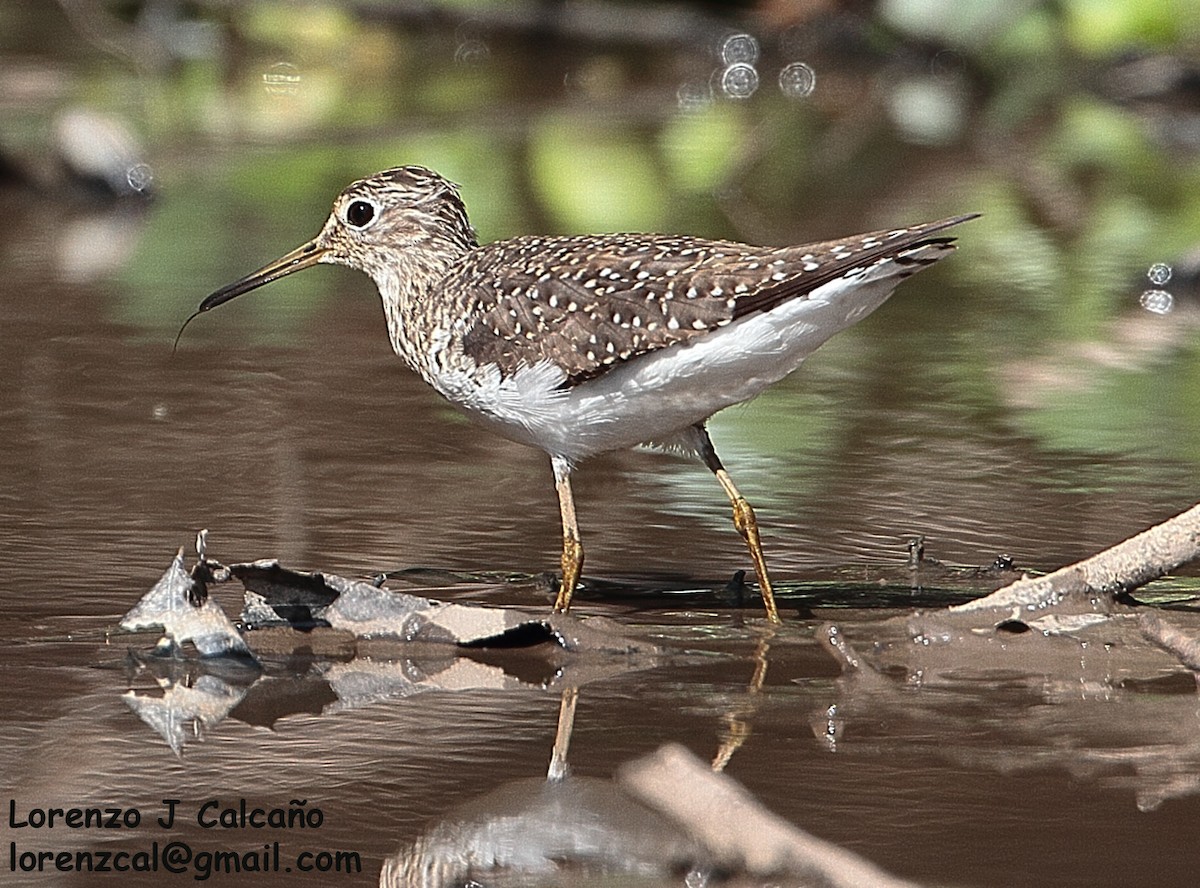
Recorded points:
(568, 829)
(737, 720)
(546, 832)
(564, 829)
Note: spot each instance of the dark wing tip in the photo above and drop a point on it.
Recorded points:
(895, 243)
(942, 224)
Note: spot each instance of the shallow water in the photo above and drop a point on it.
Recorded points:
(973, 409)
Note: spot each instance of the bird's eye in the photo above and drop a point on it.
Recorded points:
(360, 213)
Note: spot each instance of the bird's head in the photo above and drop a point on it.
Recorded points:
(403, 227)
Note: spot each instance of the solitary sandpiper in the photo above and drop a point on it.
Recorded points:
(581, 345)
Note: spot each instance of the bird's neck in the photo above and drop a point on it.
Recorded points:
(413, 301)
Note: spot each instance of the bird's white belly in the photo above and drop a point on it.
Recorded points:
(655, 396)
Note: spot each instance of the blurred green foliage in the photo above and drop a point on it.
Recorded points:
(1081, 181)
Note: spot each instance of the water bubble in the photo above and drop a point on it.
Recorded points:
(593, 80)
(1158, 301)
(797, 80)
(472, 52)
(282, 79)
(739, 48)
(739, 80)
(1159, 273)
(693, 96)
(140, 177)
(159, 412)
(928, 110)
(947, 63)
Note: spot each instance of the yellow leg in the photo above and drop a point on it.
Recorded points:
(738, 721)
(562, 737)
(743, 520)
(572, 551)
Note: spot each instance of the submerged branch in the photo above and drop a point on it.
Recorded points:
(741, 834)
(1147, 556)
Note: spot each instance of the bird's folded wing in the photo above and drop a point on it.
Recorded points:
(587, 304)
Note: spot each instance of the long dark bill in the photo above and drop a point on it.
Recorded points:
(300, 258)
(297, 260)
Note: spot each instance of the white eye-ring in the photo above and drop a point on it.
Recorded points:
(360, 212)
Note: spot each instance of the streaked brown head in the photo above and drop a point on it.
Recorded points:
(402, 220)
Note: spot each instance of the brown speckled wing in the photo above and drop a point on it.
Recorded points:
(589, 303)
